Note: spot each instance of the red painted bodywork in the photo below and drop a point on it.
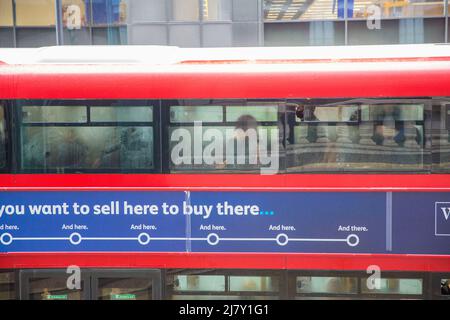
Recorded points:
(358, 78)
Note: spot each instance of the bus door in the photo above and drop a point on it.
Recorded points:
(90, 284)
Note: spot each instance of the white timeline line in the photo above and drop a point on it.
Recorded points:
(213, 239)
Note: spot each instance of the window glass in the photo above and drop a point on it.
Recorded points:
(7, 286)
(74, 14)
(6, 13)
(327, 285)
(216, 10)
(54, 114)
(247, 141)
(222, 297)
(109, 12)
(121, 114)
(198, 283)
(260, 113)
(2, 138)
(385, 137)
(125, 289)
(35, 12)
(394, 286)
(361, 9)
(344, 113)
(195, 113)
(253, 283)
(445, 287)
(287, 10)
(63, 139)
(54, 288)
(185, 10)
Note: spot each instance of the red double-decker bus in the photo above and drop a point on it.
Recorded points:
(243, 173)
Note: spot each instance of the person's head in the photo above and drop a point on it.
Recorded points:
(447, 283)
(246, 122)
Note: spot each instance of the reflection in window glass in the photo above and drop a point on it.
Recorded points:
(7, 286)
(260, 113)
(35, 12)
(327, 285)
(78, 148)
(185, 10)
(285, 10)
(387, 138)
(2, 138)
(221, 297)
(125, 289)
(261, 284)
(395, 286)
(53, 289)
(361, 9)
(121, 114)
(445, 287)
(74, 14)
(194, 113)
(198, 283)
(54, 114)
(6, 13)
(217, 10)
(333, 114)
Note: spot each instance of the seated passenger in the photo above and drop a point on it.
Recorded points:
(131, 149)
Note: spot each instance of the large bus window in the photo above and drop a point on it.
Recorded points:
(221, 285)
(445, 287)
(7, 285)
(2, 138)
(224, 137)
(393, 286)
(355, 137)
(89, 138)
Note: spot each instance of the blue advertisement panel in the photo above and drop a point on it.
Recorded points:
(302, 222)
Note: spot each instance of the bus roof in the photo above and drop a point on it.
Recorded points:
(166, 55)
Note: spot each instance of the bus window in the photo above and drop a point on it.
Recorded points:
(357, 137)
(221, 285)
(86, 138)
(2, 138)
(224, 137)
(394, 286)
(333, 285)
(7, 285)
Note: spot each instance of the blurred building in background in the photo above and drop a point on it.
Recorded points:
(221, 23)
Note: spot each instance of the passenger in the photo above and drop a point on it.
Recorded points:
(445, 288)
(242, 135)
